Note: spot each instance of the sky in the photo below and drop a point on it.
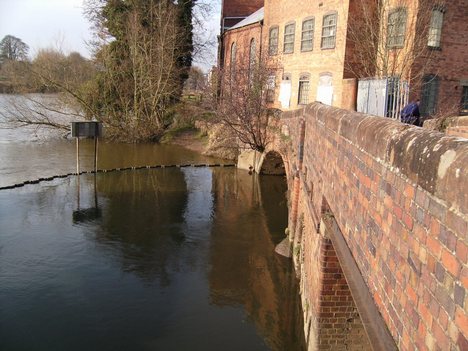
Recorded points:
(61, 24)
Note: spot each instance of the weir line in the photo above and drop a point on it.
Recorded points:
(119, 169)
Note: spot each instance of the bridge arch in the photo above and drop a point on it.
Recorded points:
(272, 164)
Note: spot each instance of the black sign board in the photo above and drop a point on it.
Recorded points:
(86, 129)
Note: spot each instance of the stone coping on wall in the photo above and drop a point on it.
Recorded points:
(430, 159)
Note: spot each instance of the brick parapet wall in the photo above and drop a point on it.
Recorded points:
(399, 196)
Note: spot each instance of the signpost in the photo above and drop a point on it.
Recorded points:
(91, 129)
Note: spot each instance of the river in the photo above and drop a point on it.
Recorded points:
(152, 259)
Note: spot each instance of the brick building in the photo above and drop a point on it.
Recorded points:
(312, 44)
(233, 12)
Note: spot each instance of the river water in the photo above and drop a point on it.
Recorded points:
(157, 259)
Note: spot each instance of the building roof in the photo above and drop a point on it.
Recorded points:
(255, 17)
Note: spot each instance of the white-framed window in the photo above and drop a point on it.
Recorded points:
(307, 39)
(289, 33)
(303, 91)
(396, 28)
(435, 28)
(329, 31)
(273, 41)
(429, 93)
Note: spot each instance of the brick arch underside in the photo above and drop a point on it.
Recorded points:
(273, 164)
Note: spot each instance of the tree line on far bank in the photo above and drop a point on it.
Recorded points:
(142, 55)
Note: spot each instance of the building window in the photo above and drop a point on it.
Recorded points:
(307, 40)
(329, 31)
(429, 92)
(303, 92)
(284, 96)
(435, 28)
(464, 101)
(270, 88)
(252, 60)
(325, 89)
(289, 38)
(396, 28)
(232, 65)
(273, 41)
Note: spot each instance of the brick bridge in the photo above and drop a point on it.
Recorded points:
(379, 212)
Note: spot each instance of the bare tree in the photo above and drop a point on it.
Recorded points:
(38, 111)
(13, 48)
(244, 107)
(389, 38)
(59, 77)
(196, 81)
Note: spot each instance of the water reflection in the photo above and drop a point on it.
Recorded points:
(89, 214)
(142, 220)
(245, 270)
(177, 259)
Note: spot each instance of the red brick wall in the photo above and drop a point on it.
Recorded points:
(450, 63)
(339, 326)
(239, 8)
(399, 196)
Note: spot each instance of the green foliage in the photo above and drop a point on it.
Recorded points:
(184, 61)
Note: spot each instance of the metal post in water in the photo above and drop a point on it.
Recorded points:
(86, 130)
(95, 153)
(78, 156)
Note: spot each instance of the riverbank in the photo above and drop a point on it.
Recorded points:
(191, 139)
(211, 141)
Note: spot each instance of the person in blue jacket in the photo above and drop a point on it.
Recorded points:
(410, 113)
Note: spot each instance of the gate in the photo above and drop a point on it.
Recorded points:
(382, 97)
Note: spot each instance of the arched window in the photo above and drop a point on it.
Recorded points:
(252, 58)
(252, 55)
(233, 60)
(307, 38)
(435, 27)
(329, 31)
(289, 34)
